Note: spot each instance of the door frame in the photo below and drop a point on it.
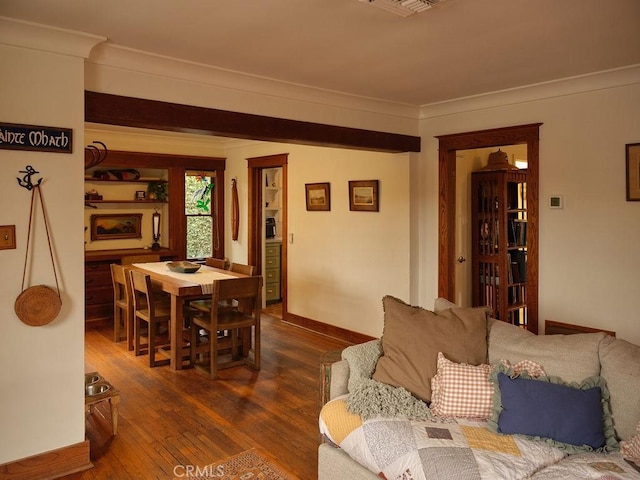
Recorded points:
(447, 147)
(255, 219)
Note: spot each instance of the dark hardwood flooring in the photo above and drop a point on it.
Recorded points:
(173, 418)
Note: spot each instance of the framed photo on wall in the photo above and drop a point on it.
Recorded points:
(116, 225)
(633, 172)
(363, 195)
(318, 196)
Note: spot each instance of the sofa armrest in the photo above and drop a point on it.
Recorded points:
(334, 376)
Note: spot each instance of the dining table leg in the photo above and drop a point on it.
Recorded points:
(177, 325)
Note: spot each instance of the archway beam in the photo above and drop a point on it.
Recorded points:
(156, 115)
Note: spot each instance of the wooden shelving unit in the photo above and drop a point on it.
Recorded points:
(499, 243)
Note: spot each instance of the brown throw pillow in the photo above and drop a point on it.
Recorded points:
(413, 337)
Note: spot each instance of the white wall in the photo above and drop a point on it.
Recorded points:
(42, 368)
(341, 263)
(589, 259)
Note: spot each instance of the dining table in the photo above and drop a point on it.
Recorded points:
(182, 288)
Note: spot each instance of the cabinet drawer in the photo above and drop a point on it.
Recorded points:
(272, 262)
(272, 250)
(272, 291)
(272, 275)
(98, 295)
(97, 278)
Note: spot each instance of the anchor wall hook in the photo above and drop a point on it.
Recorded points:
(25, 181)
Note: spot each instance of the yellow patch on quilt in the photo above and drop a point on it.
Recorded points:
(339, 421)
(481, 438)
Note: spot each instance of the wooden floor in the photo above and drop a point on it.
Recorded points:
(172, 418)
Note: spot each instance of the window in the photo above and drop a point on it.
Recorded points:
(199, 210)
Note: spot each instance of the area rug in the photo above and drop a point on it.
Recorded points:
(250, 465)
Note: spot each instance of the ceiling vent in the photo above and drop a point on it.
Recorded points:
(404, 8)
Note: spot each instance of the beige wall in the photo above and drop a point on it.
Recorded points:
(589, 260)
(41, 399)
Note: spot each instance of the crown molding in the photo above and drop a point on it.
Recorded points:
(35, 36)
(618, 77)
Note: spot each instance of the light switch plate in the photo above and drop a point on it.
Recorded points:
(7, 237)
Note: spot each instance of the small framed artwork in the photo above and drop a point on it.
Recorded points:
(318, 196)
(141, 195)
(363, 195)
(633, 172)
(115, 226)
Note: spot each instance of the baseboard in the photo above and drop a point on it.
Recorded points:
(332, 331)
(49, 465)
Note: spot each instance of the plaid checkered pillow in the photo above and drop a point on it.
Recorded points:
(461, 390)
(631, 448)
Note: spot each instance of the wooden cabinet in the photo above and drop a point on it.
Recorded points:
(499, 243)
(98, 289)
(272, 273)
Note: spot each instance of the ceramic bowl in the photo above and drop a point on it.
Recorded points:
(183, 267)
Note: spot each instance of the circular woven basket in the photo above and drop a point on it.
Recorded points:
(37, 306)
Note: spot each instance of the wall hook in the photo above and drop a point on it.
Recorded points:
(25, 181)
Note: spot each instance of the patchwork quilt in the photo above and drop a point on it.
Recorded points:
(448, 448)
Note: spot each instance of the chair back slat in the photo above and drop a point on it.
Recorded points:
(217, 263)
(242, 268)
(141, 291)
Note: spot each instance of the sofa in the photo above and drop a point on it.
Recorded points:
(455, 394)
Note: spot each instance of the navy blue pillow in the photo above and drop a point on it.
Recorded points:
(550, 410)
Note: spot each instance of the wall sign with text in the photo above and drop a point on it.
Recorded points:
(35, 138)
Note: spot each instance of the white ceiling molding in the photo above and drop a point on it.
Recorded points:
(35, 36)
(530, 93)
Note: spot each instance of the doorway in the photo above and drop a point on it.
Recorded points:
(259, 169)
(449, 145)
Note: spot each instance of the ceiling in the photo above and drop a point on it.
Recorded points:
(456, 49)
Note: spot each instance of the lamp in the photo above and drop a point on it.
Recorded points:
(155, 226)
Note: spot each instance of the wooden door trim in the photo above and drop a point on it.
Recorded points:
(448, 145)
(255, 220)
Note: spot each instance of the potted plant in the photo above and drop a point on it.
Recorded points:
(157, 191)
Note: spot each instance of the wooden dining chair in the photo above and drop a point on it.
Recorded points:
(221, 263)
(242, 268)
(122, 306)
(242, 324)
(143, 258)
(152, 310)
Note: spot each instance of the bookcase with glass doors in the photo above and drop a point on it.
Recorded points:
(499, 242)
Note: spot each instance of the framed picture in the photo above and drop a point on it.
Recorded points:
(318, 196)
(363, 195)
(633, 172)
(116, 225)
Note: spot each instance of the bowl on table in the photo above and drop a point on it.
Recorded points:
(183, 267)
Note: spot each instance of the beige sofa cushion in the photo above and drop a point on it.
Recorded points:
(620, 367)
(413, 337)
(570, 357)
